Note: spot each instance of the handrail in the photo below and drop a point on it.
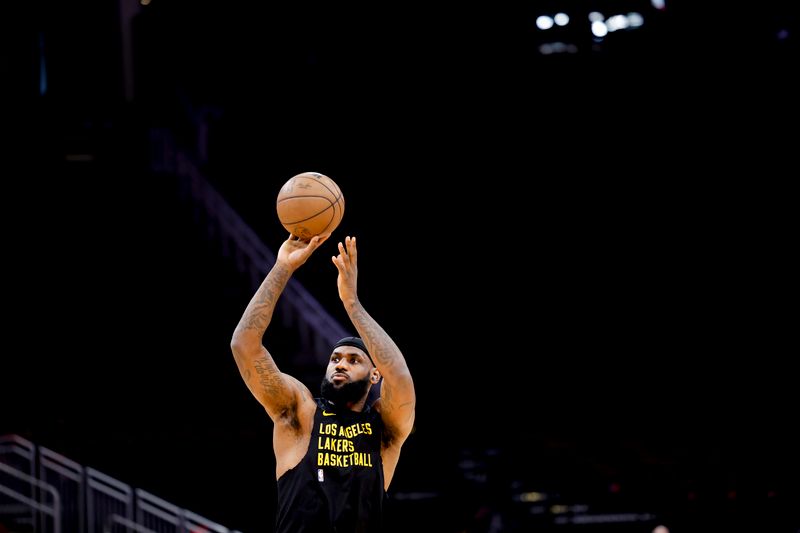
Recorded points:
(93, 481)
(54, 510)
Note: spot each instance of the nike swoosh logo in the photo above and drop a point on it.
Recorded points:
(326, 413)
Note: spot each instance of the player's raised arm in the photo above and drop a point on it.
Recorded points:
(398, 397)
(277, 392)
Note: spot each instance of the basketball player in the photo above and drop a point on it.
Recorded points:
(335, 454)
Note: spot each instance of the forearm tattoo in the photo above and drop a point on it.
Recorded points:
(385, 350)
(259, 312)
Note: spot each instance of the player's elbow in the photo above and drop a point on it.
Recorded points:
(240, 344)
(246, 346)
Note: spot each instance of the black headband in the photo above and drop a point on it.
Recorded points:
(358, 343)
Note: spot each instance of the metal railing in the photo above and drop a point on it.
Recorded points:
(38, 504)
(42, 491)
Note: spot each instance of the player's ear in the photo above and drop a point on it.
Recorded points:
(375, 376)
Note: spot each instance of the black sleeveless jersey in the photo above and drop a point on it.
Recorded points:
(338, 485)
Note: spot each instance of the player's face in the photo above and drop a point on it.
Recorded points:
(347, 378)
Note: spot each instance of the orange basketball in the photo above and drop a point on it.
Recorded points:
(310, 204)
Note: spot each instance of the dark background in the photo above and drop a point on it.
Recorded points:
(581, 256)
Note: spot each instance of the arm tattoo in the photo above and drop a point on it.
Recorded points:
(268, 375)
(385, 350)
(259, 313)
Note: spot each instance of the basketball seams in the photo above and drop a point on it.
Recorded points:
(318, 213)
(336, 195)
(303, 196)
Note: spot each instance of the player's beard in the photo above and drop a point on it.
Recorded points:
(349, 392)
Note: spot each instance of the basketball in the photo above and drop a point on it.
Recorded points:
(310, 204)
